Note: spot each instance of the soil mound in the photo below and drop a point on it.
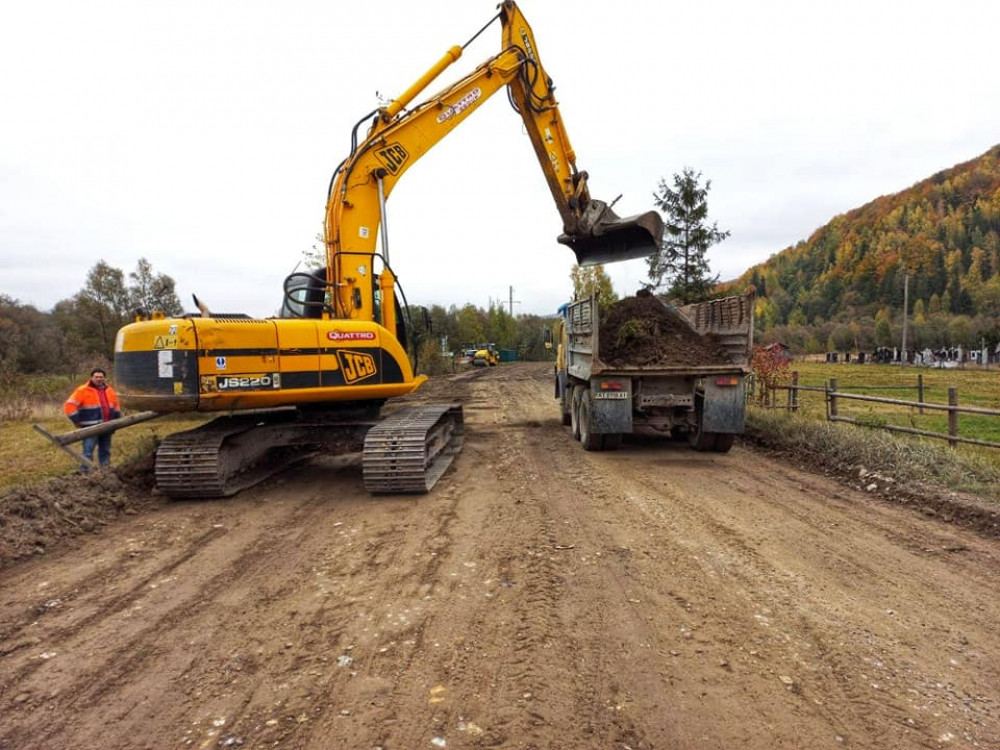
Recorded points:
(643, 331)
(36, 519)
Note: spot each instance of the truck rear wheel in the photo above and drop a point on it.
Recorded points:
(612, 441)
(591, 441)
(699, 439)
(723, 442)
(703, 441)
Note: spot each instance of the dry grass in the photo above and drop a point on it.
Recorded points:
(845, 447)
(27, 457)
(929, 460)
(976, 387)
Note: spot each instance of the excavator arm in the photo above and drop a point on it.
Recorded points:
(593, 231)
(398, 137)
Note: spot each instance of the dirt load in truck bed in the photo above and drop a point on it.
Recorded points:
(642, 331)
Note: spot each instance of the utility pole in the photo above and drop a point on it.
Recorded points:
(511, 302)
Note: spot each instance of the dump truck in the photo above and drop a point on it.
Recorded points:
(645, 366)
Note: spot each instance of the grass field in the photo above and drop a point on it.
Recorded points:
(26, 456)
(976, 388)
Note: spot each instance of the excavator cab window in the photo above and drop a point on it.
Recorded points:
(305, 295)
(377, 302)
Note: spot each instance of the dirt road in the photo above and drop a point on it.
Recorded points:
(540, 597)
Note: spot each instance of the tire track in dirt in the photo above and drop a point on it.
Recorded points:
(715, 616)
(402, 565)
(545, 491)
(91, 586)
(136, 650)
(796, 606)
(399, 620)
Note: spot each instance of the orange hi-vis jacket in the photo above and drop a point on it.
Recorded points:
(88, 405)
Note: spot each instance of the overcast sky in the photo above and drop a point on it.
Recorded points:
(203, 135)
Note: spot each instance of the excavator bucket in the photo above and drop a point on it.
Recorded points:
(604, 237)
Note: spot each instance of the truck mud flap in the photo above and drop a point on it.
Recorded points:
(610, 407)
(724, 405)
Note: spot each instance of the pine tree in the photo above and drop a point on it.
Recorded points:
(680, 261)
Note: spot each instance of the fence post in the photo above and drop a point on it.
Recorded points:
(832, 396)
(920, 390)
(953, 415)
(793, 394)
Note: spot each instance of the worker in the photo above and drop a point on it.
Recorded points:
(91, 404)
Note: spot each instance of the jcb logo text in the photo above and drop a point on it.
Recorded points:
(392, 157)
(356, 366)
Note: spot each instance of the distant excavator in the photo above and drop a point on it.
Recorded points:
(316, 378)
(486, 355)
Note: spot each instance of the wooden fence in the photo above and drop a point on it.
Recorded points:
(833, 395)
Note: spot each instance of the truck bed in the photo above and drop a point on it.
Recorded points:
(729, 320)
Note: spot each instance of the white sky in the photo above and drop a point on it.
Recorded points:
(202, 135)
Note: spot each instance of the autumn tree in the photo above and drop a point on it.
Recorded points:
(883, 328)
(470, 328)
(101, 308)
(149, 291)
(770, 368)
(680, 260)
(31, 341)
(92, 317)
(592, 280)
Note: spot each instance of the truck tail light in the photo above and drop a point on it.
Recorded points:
(732, 380)
(611, 385)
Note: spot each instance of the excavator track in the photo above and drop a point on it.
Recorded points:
(218, 459)
(233, 453)
(409, 451)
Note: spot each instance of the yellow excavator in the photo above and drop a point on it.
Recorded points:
(316, 377)
(486, 355)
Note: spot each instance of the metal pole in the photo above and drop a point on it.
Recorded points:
(906, 314)
(75, 456)
(953, 415)
(76, 436)
(385, 219)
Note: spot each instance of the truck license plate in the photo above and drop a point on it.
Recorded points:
(611, 395)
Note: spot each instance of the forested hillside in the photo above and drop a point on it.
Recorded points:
(843, 288)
